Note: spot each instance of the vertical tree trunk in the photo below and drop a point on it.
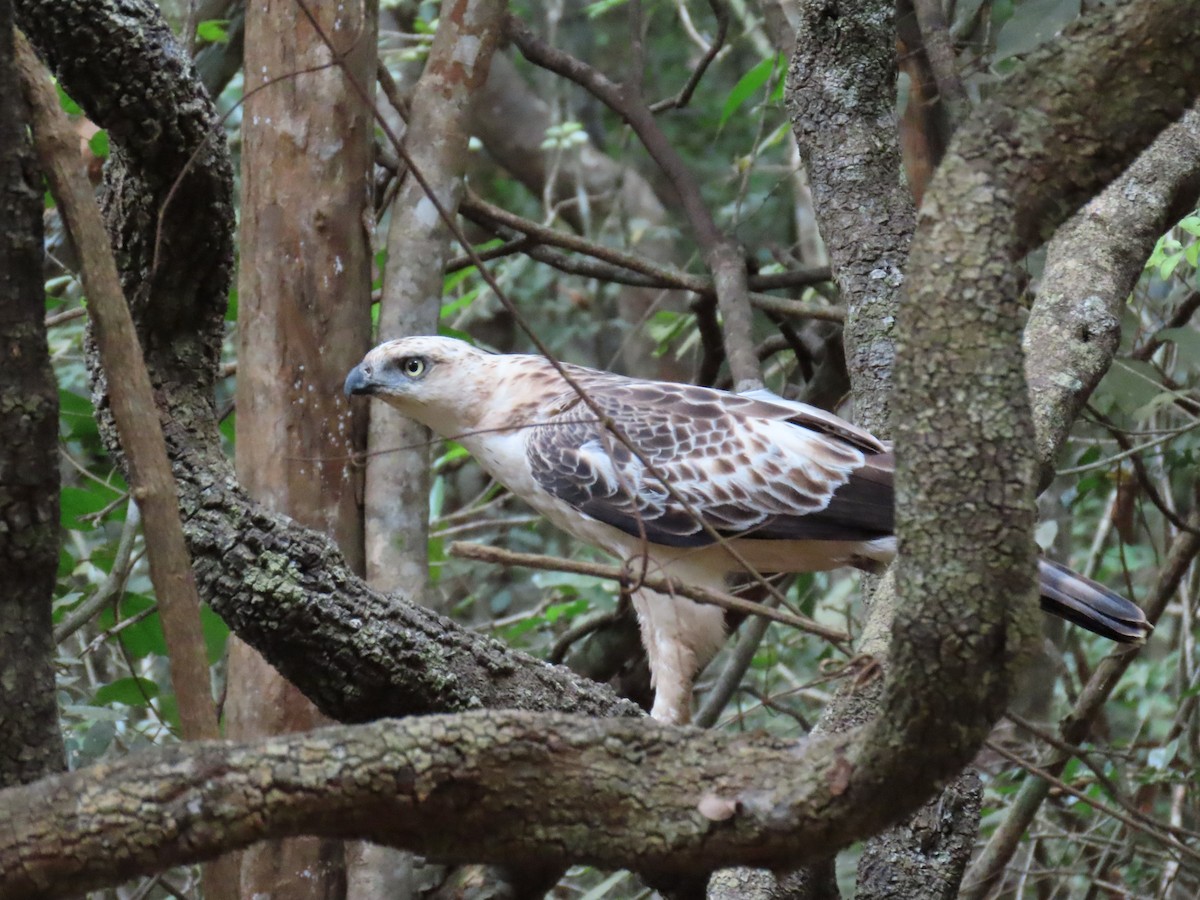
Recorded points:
(304, 293)
(30, 741)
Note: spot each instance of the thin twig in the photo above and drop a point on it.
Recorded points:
(680, 100)
(731, 676)
(112, 585)
(654, 582)
(1154, 830)
(722, 254)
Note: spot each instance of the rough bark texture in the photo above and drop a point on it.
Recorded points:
(925, 855)
(655, 798)
(841, 99)
(1092, 265)
(30, 742)
(303, 298)
(842, 103)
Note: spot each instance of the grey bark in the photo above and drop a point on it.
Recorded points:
(1092, 264)
(841, 99)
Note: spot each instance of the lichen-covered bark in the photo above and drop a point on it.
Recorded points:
(926, 854)
(1092, 264)
(842, 99)
(1015, 171)
(613, 792)
(30, 742)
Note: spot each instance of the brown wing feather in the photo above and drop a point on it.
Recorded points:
(744, 466)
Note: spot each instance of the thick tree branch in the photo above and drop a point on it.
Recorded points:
(841, 101)
(1092, 265)
(637, 794)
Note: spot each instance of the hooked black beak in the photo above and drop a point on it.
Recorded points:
(358, 383)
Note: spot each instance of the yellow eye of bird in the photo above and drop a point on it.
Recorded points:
(414, 367)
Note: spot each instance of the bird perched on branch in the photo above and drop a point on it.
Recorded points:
(701, 483)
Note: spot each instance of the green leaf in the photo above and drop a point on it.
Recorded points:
(97, 740)
(70, 107)
(1191, 224)
(75, 416)
(142, 638)
(216, 633)
(600, 7)
(1034, 22)
(214, 31)
(557, 611)
(1168, 265)
(99, 144)
(749, 84)
(75, 503)
(131, 691)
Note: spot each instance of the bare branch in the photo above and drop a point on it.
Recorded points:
(657, 583)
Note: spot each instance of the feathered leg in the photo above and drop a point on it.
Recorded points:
(680, 638)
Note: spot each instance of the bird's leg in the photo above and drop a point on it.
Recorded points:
(680, 637)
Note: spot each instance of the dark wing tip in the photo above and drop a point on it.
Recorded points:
(1090, 605)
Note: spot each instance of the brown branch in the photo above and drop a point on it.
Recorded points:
(1131, 818)
(438, 785)
(627, 579)
(1092, 264)
(1139, 469)
(723, 256)
(132, 400)
(1182, 315)
(496, 218)
(684, 97)
(943, 63)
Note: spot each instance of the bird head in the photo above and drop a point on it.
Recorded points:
(429, 379)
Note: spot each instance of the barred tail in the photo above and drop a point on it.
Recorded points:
(1077, 599)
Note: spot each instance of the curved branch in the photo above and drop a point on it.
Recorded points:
(1092, 264)
(626, 794)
